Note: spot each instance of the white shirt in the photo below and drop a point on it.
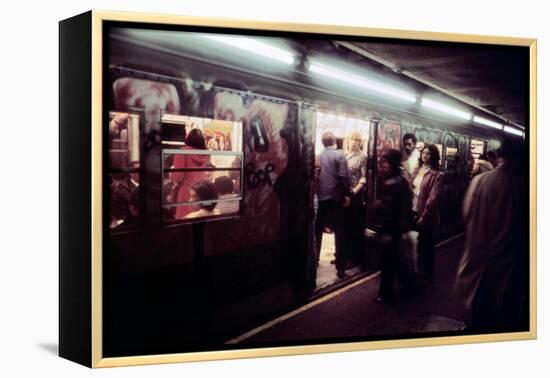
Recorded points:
(416, 185)
(411, 163)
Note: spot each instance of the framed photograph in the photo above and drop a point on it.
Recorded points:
(234, 189)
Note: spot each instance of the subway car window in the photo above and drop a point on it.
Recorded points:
(478, 148)
(173, 130)
(201, 168)
(124, 165)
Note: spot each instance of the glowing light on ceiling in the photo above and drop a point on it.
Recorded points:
(334, 73)
(513, 130)
(487, 122)
(254, 46)
(437, 106)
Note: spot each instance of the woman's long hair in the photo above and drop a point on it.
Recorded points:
(195, 139)
(434, 156)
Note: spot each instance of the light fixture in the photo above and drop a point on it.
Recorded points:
(254, 46)
(334, 73)
(434, 105)
(487, 122)
(513, 130)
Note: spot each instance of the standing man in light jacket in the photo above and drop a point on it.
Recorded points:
(333, 192)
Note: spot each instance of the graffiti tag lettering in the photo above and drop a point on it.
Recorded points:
(255, 177)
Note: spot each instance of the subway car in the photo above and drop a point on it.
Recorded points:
(184, 271)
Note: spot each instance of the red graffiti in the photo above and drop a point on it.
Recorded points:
(266, 151)
(150, 95)
(389, 137)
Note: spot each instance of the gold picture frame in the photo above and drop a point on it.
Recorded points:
(82, 318)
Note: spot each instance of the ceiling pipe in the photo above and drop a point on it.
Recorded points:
(397, 69)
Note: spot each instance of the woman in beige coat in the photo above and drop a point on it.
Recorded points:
(427, 188)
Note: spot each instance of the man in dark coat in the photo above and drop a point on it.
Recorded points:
(392, 218)
(492, 277)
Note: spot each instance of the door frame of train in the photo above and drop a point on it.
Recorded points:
(98, 71)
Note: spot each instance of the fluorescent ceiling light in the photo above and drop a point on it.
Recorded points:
(513, 130)
(359, 81)
(445, 109)
(254, 46)
(487, 122)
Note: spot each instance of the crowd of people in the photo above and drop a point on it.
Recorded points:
(408, 199)
(490, 280)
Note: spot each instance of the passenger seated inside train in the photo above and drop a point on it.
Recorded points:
(203, 191)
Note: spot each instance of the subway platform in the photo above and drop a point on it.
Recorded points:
(349, 313)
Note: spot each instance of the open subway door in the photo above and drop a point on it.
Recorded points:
(346, 129)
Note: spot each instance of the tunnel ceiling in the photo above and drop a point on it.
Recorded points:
(488, 76)
(493, 77)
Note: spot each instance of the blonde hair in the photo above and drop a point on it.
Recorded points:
(356, 135)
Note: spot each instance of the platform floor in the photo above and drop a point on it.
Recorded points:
(326, 272)
(350, 313)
